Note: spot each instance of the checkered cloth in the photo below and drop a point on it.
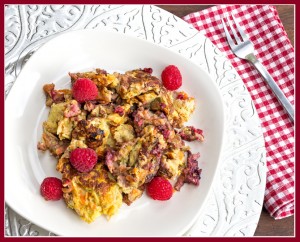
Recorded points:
(274, 50)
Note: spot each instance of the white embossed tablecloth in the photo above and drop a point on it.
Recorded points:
(235, 202)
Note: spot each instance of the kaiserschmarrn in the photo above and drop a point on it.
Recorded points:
(136, 127)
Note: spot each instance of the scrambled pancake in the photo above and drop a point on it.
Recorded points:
(91, 194)
(135, 126)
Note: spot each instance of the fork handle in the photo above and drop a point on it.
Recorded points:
(272, 84)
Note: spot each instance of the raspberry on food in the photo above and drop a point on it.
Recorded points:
(160, 189)
(171, 78)
(51, 189)
(83, 159)
(84, 90)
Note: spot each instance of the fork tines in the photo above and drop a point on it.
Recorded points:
(237, 39)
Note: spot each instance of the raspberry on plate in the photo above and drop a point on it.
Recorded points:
(83, 159)
(84, 90)
(171, 78)
(51, 189)
(160, 189)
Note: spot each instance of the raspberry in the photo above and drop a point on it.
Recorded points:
(84, 90)
(51, 189)
(160, 189)
(171, 78)
(83, 159)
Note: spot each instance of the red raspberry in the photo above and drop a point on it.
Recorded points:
(51, 189)
(160, 189)
(83, 159)
(171, 78)
(84, 90)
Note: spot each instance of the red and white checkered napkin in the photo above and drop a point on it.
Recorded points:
(273, 48)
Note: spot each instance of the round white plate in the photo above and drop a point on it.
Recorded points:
(234, 204)
(26, 167)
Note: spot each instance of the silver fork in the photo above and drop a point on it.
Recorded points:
(244, 49)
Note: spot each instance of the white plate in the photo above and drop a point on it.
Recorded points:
(26, 167)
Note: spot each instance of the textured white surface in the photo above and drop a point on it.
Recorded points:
(236, 200)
